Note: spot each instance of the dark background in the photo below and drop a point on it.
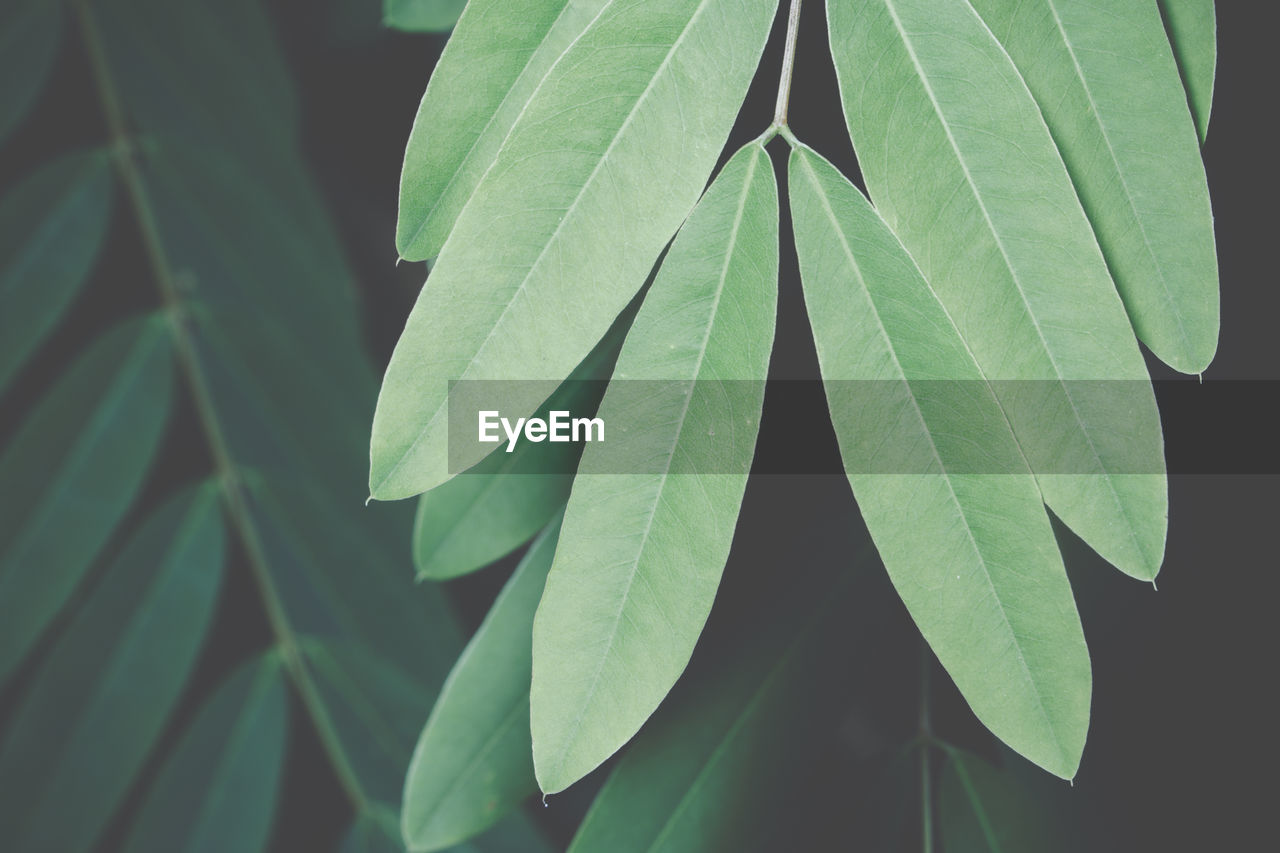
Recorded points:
(1182, 744)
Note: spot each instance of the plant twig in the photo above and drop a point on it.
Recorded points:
(234, 498)
(788, 65)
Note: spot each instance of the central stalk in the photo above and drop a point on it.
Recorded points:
(788, 64)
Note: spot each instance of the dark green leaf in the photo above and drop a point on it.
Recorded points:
(372, 833)
(984, 809)
(291, 394)
(377, 833)
(642, 551)
(209, 75)
(72, 471)
(566, 224)
(495, 60)
(421, 16)
(515, 833)
(484, 514)
(1193, 30)
(472, 764)
(705, 773)
(956, 515)
(29, 34)
(496, 506)
(376, 709)
(1137, 170)
(102, 696)
(217, 791)
(51, 227)
(960, 164)
(344, 580)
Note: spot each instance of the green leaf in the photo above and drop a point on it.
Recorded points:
(375, 833)
(984, 809)
(495, 60)
(101, 698)
(217, 791)
(1137, 171)
(29, 34)
(51, 227)
(496, 506)
(515, 833)
(70, 474)
(641, 553)
(567, 223)
(962, 167)
(240, 225)
(472, 764)
(971, 554)
(421, 16)
(486, 513)
(344, 580)
(372, 833)
(1193, 30)
(376, 709)
(705, 773)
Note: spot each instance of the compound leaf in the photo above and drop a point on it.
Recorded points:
(472, 764)
(641, 551)
(101, 698)
(217, 790)
(566, 224)
(1108, 87)
(495, 60)
(241, 224)
(946, 495)
(51, 227)
(1193, 31)
(962, 167)
(72, 471)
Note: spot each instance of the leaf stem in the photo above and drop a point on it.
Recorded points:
(788, 65)
(235, 499)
